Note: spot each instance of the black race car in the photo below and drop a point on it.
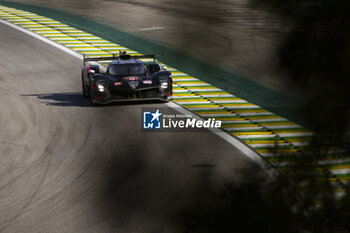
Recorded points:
(126, 79)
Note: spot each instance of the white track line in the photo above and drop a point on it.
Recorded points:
(233, 140)
(50, 42)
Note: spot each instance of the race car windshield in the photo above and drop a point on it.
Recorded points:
(127, 69)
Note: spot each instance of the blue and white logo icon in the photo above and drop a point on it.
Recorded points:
(151, 120)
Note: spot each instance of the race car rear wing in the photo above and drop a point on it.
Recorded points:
(122, 56)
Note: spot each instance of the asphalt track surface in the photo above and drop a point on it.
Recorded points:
(68, 167)
(230, 35)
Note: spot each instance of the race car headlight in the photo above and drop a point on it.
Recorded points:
(164, 85)
(100, 88)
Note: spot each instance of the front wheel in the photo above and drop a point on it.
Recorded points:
(85, 93)
(165, 99)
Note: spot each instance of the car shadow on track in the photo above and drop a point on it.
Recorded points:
(76, 99)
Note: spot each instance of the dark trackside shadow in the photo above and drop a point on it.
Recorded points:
(251, 206)
(76, 99)
(133, 185)
(315, 55)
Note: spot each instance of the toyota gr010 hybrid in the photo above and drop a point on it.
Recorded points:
(127, 78)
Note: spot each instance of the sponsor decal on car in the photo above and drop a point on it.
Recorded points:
(147, 82)
(133, 84)
(131, 78)
(118, 83)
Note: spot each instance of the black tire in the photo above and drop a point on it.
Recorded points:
(85, 93)
(164, 99)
